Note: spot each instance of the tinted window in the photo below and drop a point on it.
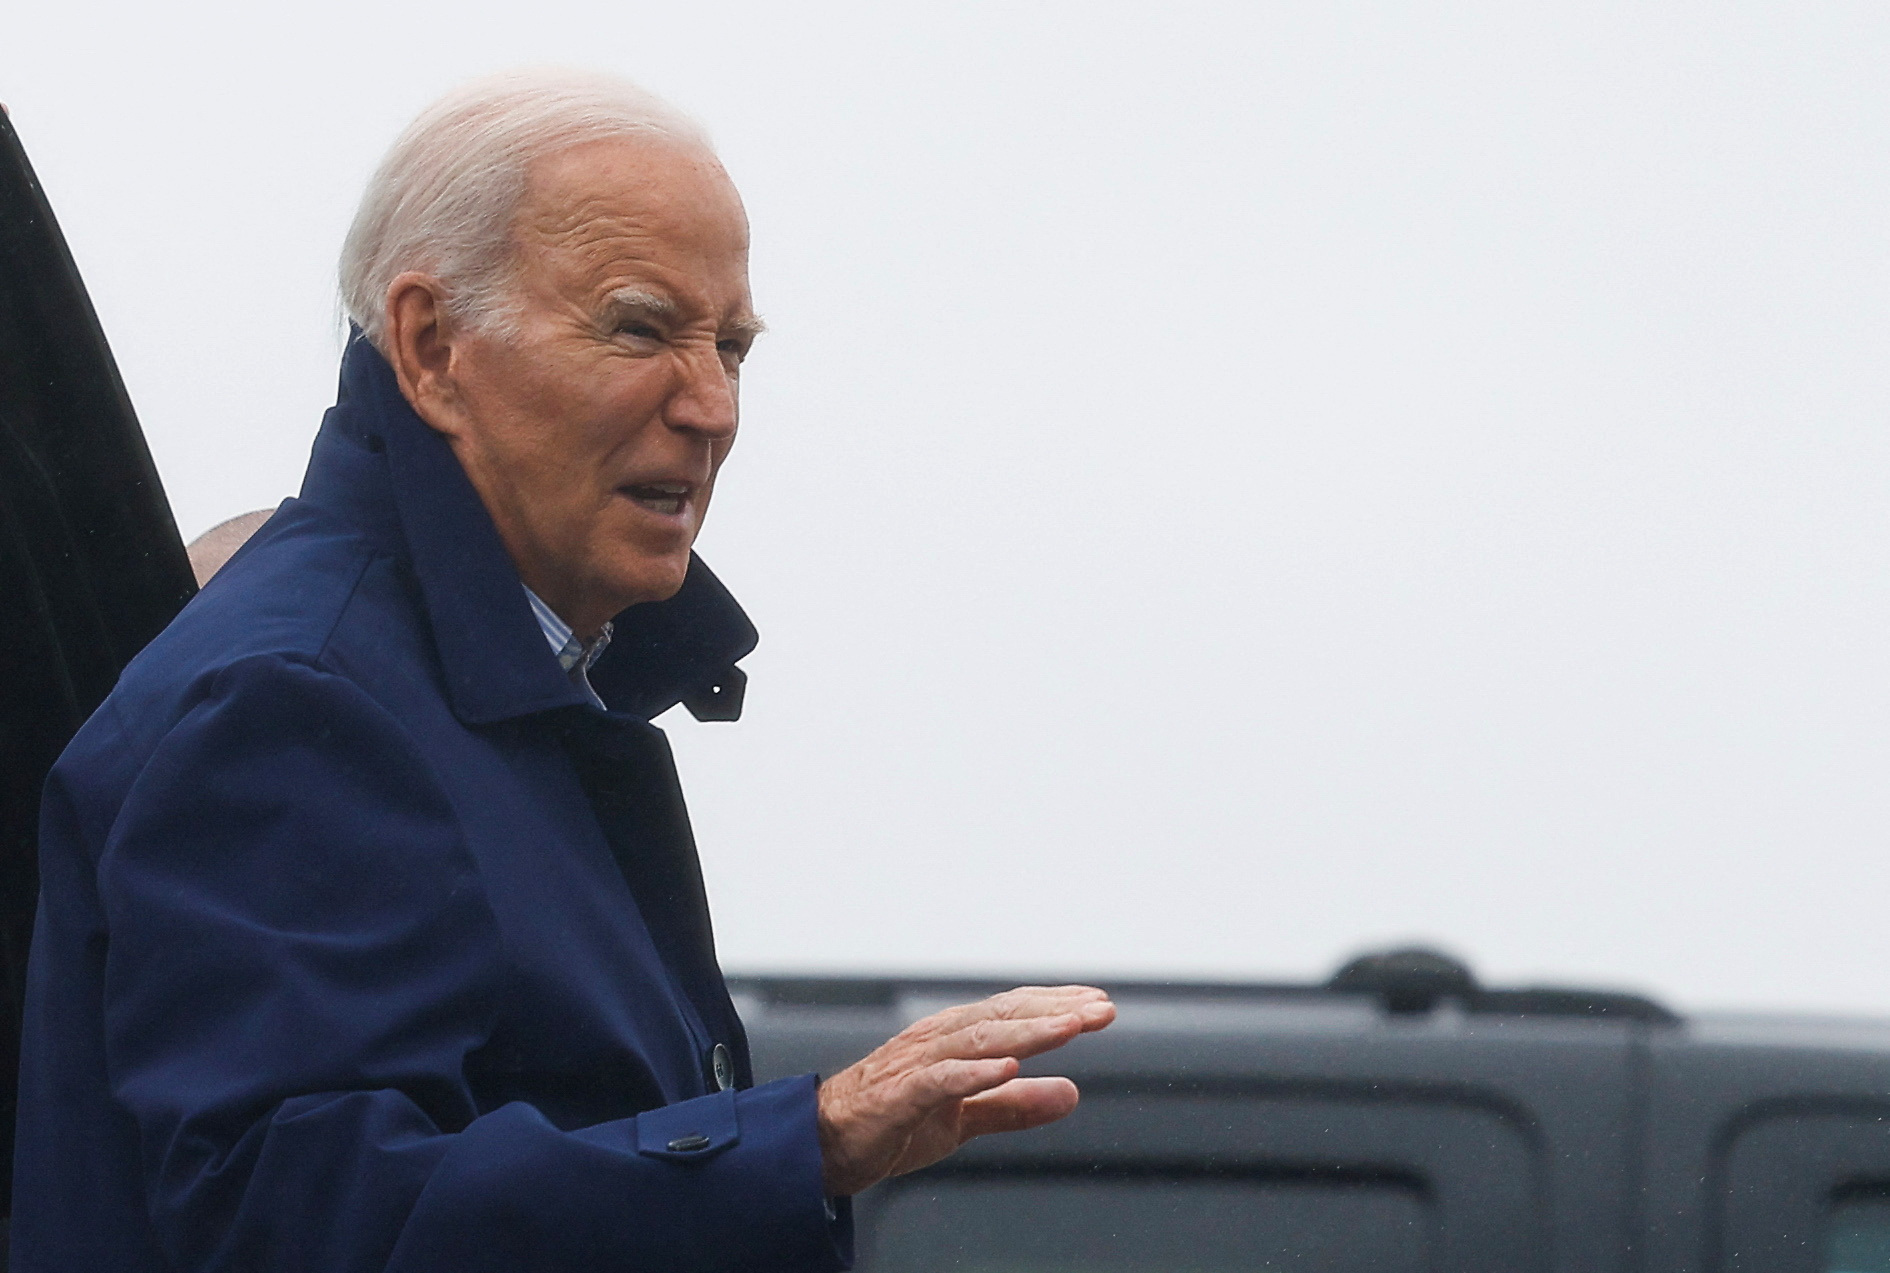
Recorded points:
(1858, 1240)
(1149, 1224)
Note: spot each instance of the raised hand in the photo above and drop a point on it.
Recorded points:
(950, 1077)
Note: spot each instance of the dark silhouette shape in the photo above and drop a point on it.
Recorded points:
(91, 566)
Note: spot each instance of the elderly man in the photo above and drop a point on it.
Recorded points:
(372, 934)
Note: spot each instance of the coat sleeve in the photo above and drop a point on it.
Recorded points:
(300, 959)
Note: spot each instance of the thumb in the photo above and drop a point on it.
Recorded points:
(1014, 1106)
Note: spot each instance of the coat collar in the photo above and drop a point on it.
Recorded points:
(379, 465)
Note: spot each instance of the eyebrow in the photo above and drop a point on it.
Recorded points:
(635, 300)
(658, 306)
(638, 301)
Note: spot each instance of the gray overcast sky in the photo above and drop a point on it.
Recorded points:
(1228, 484)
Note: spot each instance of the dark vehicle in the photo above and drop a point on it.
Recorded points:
(1399, 1118)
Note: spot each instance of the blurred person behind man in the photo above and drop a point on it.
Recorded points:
(210, 551)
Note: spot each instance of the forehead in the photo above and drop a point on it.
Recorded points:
(647, 211)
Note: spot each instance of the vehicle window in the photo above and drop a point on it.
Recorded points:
(1150, 1224)
(1858, 1238)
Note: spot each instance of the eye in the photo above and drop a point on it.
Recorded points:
(732, 352)
(641, 330)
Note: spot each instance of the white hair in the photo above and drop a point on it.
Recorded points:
(443, 200)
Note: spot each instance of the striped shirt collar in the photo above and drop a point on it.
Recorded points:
(574, 655)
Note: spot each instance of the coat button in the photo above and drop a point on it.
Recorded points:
(724, 1066)
(689, 1144)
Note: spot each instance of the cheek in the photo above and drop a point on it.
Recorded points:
(627, 388)
(565, 411)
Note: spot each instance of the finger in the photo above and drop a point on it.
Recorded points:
(1020, 1039)
(1021, 1036)
(951, 1080)
(1017, 1105)
(1009, 1107)
(1024, 1001)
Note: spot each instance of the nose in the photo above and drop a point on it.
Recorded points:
(704, 399)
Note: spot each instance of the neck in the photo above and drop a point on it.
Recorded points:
(586, 621)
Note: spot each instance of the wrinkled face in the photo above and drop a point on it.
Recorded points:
(594, 432)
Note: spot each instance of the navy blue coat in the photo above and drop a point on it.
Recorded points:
(364, 942)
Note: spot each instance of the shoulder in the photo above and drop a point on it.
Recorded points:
(273, 618)
(287, 592)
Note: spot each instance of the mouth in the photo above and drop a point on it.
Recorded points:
(666, 499)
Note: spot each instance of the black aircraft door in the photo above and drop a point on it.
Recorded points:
(91, 567)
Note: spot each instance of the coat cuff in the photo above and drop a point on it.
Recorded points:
(763, 1146)
(514, 1192)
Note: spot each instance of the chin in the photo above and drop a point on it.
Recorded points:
(656, 579)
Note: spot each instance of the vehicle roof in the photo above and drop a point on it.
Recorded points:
(1299, 1007)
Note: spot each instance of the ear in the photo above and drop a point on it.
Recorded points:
(422, 348)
